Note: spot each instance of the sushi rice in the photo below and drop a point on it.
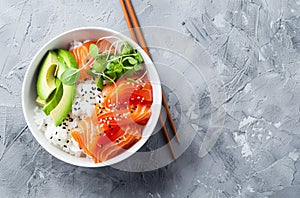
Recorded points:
(87, 95)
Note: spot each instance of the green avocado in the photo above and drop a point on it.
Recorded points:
(46, 78)
(40, 101)
(57, 95)
(62, 109)
(65, 60)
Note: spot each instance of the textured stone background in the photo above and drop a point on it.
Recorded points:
(256, 44)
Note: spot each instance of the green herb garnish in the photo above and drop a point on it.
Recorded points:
(70, 76)
(107, 66)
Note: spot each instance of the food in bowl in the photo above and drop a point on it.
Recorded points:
(94, 98)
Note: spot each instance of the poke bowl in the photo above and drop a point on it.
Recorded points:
(91, 97)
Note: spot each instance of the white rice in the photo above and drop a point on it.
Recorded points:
(84, 102)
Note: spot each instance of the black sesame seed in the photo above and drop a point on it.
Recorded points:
(65, 146)
(71, 119)
(56, 133)
(58, 139)
(67, 141)
(64, 127)
(85, 92)
(46, 124)
(51, 137)
(98, 89)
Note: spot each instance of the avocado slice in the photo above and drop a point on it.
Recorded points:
(62, 109)
(57, 95)
(40, 101)
(46, 78)
(68, 58)
(65, 60)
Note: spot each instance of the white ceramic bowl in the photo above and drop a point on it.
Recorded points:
(29, 94)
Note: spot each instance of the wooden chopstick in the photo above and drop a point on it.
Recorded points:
(144, 47)
(167, 136)
(131, 18)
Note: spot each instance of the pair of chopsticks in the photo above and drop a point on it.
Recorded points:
(137, 36)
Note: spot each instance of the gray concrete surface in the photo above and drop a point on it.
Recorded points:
(256, 47)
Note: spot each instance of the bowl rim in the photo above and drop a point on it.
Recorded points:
(66, 157)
